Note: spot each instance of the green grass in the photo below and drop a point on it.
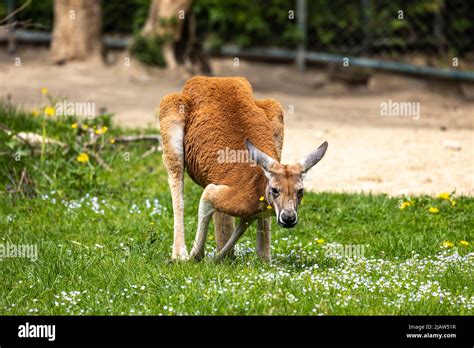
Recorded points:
(118, 262)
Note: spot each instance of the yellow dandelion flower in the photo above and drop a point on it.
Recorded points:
(447, 244)
(453, 202)
(261, 199)
(405, 204)
(74, 125)
(269, 207)
(44, 90)
(464, 243)
(49, 111)
(433, 210)
(320, 241)
(101, 131)
(112, 141)
(444, 195)
(35, 112)
(85, 126)
(83, 157)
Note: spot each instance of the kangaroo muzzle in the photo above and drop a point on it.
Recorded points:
(288, 218)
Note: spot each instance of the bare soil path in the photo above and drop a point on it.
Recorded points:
(367, 152)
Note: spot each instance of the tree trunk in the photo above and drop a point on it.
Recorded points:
(77, 31)
(166, 20)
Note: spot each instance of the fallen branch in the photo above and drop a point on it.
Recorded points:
(31, 139)
(19, 137)
(37, 139)
(14, 12)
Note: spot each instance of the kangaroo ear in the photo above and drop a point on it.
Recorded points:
(314, 157)
(261, 158)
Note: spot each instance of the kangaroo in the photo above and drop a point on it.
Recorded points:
(219, 113)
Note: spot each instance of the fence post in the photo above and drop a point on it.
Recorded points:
(301, 9)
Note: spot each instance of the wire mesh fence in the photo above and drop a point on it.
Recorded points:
(437, 30)
(434, 37)
(426, 36)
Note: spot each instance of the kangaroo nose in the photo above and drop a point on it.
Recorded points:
(288, 218)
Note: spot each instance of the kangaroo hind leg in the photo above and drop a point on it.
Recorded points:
(172, 124)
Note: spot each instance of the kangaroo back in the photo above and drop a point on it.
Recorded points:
(222, 114)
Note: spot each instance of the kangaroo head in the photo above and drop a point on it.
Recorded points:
(284, 189)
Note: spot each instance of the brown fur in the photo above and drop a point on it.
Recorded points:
(220, 112)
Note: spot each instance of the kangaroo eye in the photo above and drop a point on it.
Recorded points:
(275, 192)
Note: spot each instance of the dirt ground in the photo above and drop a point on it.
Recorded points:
(367, 152)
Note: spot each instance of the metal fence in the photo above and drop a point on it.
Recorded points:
(430, 37)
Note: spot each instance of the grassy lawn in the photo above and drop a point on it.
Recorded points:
(104, 241)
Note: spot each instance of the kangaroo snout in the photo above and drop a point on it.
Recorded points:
(288, 218)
